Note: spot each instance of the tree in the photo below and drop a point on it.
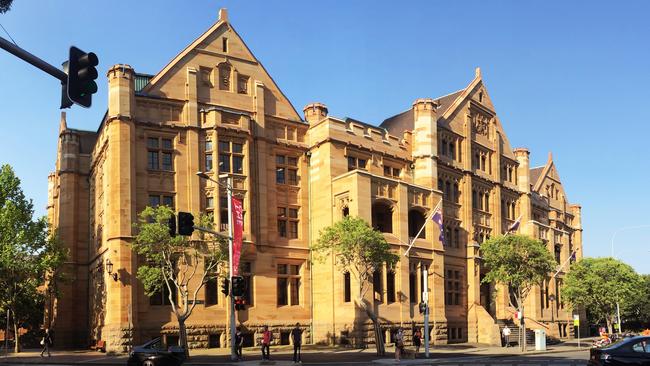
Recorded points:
(360, 250)
(5, 5)
(518, 262)
(178, 263)
(598, 283)
(30, 255)
(638, 311)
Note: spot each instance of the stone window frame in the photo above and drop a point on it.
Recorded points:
(453, 288)
(289, 272)
(288, 218)
(159, 147)
(286, 172)
(231, 156)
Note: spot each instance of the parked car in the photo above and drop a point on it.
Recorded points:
(156, 353)
(628, 351)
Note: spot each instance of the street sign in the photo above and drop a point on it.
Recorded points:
(576, 320)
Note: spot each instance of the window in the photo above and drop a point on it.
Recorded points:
(456, 241)
(224, 44)
(160, 153)
(382, 217)
(377, 285)
(208, 156)
(286, 170)
(212, 292)
(456, 193)
(448, 191)
(416, 222)
(448, 236)
(642, 346)
(475, 204)
(161, 297)
(231, 157)
(391, 172)
(356, 163)
(413, 282)
(347, 291)
(558, 253)
(452, 288)
(288, 222)
(288, 284)
(390, 286)
(156, 200)
(209, 203)
(214, 341)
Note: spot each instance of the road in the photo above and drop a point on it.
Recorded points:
(565, 358)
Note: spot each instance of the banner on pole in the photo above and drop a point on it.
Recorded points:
(237, 234)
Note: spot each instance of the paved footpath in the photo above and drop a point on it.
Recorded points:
(457, 354)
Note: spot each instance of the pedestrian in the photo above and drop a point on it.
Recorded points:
(417, 340)
(46, 342)
(296, 337)
(239, 344)
(267, 337)
(506, 336)
(399, 344)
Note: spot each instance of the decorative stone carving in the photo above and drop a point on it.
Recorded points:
(480, 124)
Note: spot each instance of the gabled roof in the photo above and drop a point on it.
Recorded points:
(397, 124)
(214, 29)
(535, 173)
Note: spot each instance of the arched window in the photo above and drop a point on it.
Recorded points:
(416, 221)
(382, 217)
(558, 253)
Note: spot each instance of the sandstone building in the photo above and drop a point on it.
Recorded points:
(214, 108)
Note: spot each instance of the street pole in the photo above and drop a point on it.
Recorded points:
(425, 299)
(6, 336)
(228, 186)
(233, 351)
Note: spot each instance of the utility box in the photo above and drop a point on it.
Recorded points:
(540, 340)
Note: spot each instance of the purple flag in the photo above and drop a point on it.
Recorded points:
(437, 218)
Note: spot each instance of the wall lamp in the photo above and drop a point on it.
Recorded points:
(109, 269)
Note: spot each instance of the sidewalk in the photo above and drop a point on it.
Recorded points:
(282, 355)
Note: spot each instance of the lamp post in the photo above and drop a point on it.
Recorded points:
(228, 187)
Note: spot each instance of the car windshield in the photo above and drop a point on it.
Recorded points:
(642, 346)
(156, 344)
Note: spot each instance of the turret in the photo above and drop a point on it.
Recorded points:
(523, 171)
(425, 141)
(121, 92)
(315, 112)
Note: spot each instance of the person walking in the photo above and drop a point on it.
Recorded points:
(399, 343)
(267, 337)
(506, 336)
(417, 341)
(46, 342)
(239, 344)
(296, 337)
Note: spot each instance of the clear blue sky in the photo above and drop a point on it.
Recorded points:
(569, 77)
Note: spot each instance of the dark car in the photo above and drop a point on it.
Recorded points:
(156, 353)
(628, 351)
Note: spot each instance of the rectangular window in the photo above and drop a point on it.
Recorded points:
(156, 200)
(377, 285)
(160, 153)
(391, 172)
(231, 157)
(161, 297)
(452, 287)
(390, 286)
(286, 170)
(212, 292)
(347, 293)
(288, 284)
(356, 163)
(208, 162)
(288, 222)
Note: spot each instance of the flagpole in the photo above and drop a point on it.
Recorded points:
(433, 212)
(510, 228)
(564, 264)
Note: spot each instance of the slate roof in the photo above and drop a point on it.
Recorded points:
(397, 124)
(535, 173)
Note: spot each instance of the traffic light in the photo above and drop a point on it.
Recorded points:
(172, 225)
(225, 286)
(240, 304)
(238, 286)
(81, 76)
(423, 307)
(185, 223)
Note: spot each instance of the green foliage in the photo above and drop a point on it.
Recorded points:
(639, 308)
(358, 248)
(597, 283)
(178, 263)
(5, 5)
(30, 256)
(516, 261)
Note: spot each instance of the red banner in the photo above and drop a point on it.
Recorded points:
(237, 233)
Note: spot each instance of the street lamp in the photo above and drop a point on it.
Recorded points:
(109, 269)
(228, 187)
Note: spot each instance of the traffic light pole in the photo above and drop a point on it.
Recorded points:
(31, 59)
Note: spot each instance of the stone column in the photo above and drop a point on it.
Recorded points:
(121, 295)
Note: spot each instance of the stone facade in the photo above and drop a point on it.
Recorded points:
(214, 108)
